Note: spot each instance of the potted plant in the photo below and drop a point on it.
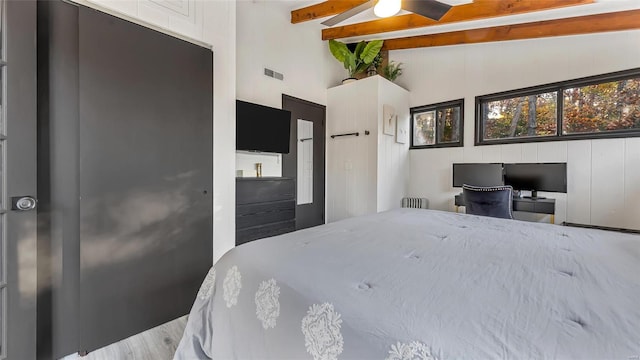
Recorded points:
(373, 68)
(392, 70)
(358, 60)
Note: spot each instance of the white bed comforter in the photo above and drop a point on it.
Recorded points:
(420, 284)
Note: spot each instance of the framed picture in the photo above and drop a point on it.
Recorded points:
(402, 131)
(389, 117)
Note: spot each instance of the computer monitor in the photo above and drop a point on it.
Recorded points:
(477, 174)
(551, 177)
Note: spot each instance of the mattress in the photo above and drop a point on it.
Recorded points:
(422, 284)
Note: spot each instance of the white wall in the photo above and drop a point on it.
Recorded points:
(603, 175)
(267, 39)
(246, 163)
(220, 31)
(212, 23)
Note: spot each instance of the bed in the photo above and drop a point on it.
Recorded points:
(422, 284)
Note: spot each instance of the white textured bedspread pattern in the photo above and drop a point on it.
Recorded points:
(417, 284)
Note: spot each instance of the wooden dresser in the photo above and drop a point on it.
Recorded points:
(264, 207)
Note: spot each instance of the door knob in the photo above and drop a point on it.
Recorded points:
(23, 203)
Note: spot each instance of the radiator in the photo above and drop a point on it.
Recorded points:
(415, 203)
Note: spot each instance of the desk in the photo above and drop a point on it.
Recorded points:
(538, 206)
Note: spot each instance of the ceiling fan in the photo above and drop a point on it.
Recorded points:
(431, 9)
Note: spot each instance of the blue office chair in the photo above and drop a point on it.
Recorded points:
(494, 201)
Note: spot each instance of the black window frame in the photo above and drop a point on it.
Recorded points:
(559, 88)
(436, 107)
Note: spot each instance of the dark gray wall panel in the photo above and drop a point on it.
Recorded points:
(145, 176)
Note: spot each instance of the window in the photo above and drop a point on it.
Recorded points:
(437, 125)
(595, 107)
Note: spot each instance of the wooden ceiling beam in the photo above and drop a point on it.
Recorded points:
(615, 21)
(479, 9)
(323, 9)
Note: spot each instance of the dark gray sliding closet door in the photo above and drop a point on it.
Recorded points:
(143, 175)
(146, 176)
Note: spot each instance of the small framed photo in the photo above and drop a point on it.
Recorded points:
(389, 117)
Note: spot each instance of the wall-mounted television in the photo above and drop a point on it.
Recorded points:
(262, 128)
(477, 174)
(551, 177)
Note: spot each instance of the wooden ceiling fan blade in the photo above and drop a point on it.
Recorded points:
(349, 13)
(431, 9)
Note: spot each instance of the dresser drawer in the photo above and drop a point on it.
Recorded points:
(263, 213)
(523, 206)
(257, 190)
(545, 207)
(259, 232)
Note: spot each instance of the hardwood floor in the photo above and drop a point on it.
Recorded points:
(159, 343)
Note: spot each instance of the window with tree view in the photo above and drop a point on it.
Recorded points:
(437, 125)
(600, 106)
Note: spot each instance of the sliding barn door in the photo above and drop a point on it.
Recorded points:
(131, 119)
(146, 165)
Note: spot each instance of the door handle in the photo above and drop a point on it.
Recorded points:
(23, 203)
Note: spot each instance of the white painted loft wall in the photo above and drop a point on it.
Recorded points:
(267, 39)
(212, 23)
(603, 175)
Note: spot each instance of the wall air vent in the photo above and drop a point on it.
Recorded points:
(273, 74)
(415, 203)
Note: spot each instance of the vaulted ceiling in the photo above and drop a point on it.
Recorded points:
(477, 21)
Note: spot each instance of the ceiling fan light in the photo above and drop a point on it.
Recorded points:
(386, 8)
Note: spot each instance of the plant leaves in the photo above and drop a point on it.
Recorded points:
(339, 50)
(392, 70)
(370, 51)
(350, 64)
(361, 67)
(359, 48)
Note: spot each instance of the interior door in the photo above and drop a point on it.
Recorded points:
(146, 176)
(127, 207)
(18, 177)
(306, 159)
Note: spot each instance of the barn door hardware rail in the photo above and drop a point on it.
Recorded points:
(366, 132)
